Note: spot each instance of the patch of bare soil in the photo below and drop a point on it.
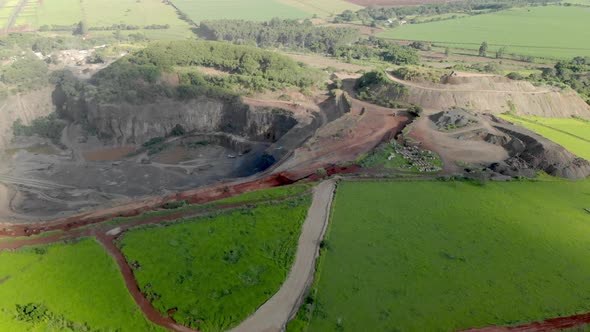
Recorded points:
(484, 93)
(552, 324)
(108, 154)
(358, 131)
(321, 62)
(453, 151)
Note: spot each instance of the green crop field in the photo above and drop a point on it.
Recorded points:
(104, 13)
(442, 256)
(572, 134)
(216, 271)
(259, 10)
(69, 285)
(551, 31)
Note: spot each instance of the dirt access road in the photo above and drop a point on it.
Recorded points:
(276, 312)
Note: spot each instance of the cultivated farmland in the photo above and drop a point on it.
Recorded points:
(572, 134)
(550, 31)
(65, 287)
(212, 273)
(442, 256)
(260, 10)
(103, 13)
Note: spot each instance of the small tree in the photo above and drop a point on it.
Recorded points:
(415, 110)
(500, 52)
(483, 49)
(81, 28)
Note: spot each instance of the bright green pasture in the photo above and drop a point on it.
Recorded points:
(443, 256)
(103, 13)
(77, 281)
(216, 271)
(552, 31)
(572, 134)
(59, 12)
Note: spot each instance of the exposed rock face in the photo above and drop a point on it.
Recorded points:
(542, 154)
(125, 123)
(26, 107)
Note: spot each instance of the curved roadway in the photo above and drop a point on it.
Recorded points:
(276, 312)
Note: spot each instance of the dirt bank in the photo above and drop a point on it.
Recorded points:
(553, 324)
(24, 106)
(495, 94)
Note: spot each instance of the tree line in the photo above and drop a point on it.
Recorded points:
(278, 33)
(373, 16)
(341, 42)
(574, 73)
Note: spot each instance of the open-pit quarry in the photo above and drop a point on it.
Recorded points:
(136, 152)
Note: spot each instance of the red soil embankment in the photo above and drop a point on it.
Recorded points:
(196, 196)
(552, 324)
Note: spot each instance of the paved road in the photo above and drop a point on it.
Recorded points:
(276, 312)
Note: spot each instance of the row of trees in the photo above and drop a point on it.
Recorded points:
(344, 43)
(278, 33)
(374, 15)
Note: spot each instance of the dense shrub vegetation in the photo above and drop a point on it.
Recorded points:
(155, 71)
(47, 126)
(344, 43)
(375, 87)
(574, 73)
(290, 34)
(25, 73)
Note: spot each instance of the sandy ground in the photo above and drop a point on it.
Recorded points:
(276, 312)
(452, 150)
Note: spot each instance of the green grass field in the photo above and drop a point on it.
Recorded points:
(217, 270)
(442, 256)
(260, 10)
(551, 31)
(102, 13)
(572, 134)
(78, 284)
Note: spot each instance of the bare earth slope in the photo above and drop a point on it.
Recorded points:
(26, 107)
(495, 94)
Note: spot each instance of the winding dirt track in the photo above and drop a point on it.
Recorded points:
(146, 307)
(279, 309)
